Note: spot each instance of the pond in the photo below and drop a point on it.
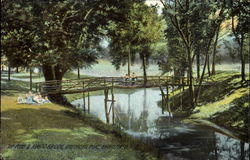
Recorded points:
(140, 115)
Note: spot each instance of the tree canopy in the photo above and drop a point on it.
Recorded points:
(59, 35)
(139, 32)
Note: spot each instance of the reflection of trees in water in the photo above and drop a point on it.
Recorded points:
(121, 118)
(229, 148)
(164, 127)
(194, 144)
(129, 121)
(144, 114)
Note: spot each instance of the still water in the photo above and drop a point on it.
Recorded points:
(139, 115)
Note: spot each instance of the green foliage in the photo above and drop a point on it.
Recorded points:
(16, 46)
(174, 59)
(241, 9)
(65, 34)
(137, 33)
(191, 27)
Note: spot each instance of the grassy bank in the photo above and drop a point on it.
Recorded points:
(51, 124)
(225, 104)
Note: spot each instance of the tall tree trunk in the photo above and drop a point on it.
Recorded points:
(39, 70)
(214, 49)
(31, 78)
(240, 41)
(208, 65)
(242, 150)
(9, 73)
(243, 76)
(215, 147)
(203, 71)
(78, 72)
(201, 79)
(144, 70)
(17, 70)
(56, 73)
(129, 61)
(191, 85)
(198, 62)
(48, 72)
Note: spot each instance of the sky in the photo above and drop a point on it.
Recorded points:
(153, 2)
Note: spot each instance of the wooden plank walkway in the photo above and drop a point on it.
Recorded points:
(101, 83)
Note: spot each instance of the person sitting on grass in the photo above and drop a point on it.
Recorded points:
(30, 98)
(20, 100)
(45, 99)
(39, 99)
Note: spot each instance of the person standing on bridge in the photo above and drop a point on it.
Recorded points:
(133, 78)
(127, 78)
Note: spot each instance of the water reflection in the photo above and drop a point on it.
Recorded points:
(139, 115)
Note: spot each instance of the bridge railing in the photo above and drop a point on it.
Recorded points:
(54, 86)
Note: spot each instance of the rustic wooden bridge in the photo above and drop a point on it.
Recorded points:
(86, 85)
(101, 83)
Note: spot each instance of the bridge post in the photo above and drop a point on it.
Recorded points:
(173, 95)
(163, 103)
(88, 103)
(106, 91)
(167, 103)
(183, 83)
(104, 80)
(84, 102)
(83, 98)
(163, 99)
(113, 100)
(181, 93)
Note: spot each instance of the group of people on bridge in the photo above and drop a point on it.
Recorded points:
(131, 78)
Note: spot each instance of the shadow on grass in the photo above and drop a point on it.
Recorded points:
(236, 118)
(13, 87)
(47, 126)
(114, 130)
(209, 94)
(20, 121)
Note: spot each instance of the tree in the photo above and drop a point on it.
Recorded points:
(213, 28)
(58, 35)
(62, 35)
(173, 57)
(195, 29)
(142, 28)
(241, 10)
(179, 15)
(149, 31)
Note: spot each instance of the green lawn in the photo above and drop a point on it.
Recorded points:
(83, 137)
(55, 125)
(225, 103)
